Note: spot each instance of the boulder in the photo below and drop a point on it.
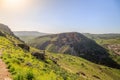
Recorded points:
(39, 55)
(24, 46)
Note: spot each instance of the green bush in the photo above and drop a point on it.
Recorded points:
(29, 75)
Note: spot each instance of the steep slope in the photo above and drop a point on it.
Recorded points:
(28, 35)
(74, 44)
(23, 66)
(112, 45)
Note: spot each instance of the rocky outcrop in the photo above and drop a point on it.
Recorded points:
(39, 55)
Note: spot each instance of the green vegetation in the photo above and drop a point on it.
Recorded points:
(102, 36)
(35, 42)
(23, 66)
(107, 42)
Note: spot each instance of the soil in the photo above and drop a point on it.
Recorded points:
(4, 73)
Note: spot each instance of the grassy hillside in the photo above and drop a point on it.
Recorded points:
(23, 66)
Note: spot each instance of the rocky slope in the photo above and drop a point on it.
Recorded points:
(74, 44)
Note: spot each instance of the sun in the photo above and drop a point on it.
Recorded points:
(14, 4)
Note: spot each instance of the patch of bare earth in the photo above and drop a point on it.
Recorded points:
(4, 73)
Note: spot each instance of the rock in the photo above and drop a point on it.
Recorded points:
(39, 55)
(24, 46)
(28, 64)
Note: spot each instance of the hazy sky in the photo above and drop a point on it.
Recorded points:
(54, 16)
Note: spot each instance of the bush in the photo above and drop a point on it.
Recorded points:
(12, 69)
(29, 75)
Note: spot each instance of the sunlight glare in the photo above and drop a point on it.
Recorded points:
(15, 4)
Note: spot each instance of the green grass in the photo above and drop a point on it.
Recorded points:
(23, 66)
(75, 64)
(108, 41)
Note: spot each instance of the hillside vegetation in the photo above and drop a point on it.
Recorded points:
(109, 41)
(23, 64)
(113, 46)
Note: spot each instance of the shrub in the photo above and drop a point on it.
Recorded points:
(12, 69)
(29, 75)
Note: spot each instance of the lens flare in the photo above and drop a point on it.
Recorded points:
(12, 5)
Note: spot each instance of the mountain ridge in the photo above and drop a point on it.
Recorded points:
(73, 43)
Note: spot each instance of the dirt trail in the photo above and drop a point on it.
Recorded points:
(4, 74)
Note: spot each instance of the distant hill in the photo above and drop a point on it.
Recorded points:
(28, 35)
(74, 44)
(102, 36)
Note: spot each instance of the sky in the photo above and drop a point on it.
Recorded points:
(56, 16)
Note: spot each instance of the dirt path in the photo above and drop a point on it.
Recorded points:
(4, 74)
